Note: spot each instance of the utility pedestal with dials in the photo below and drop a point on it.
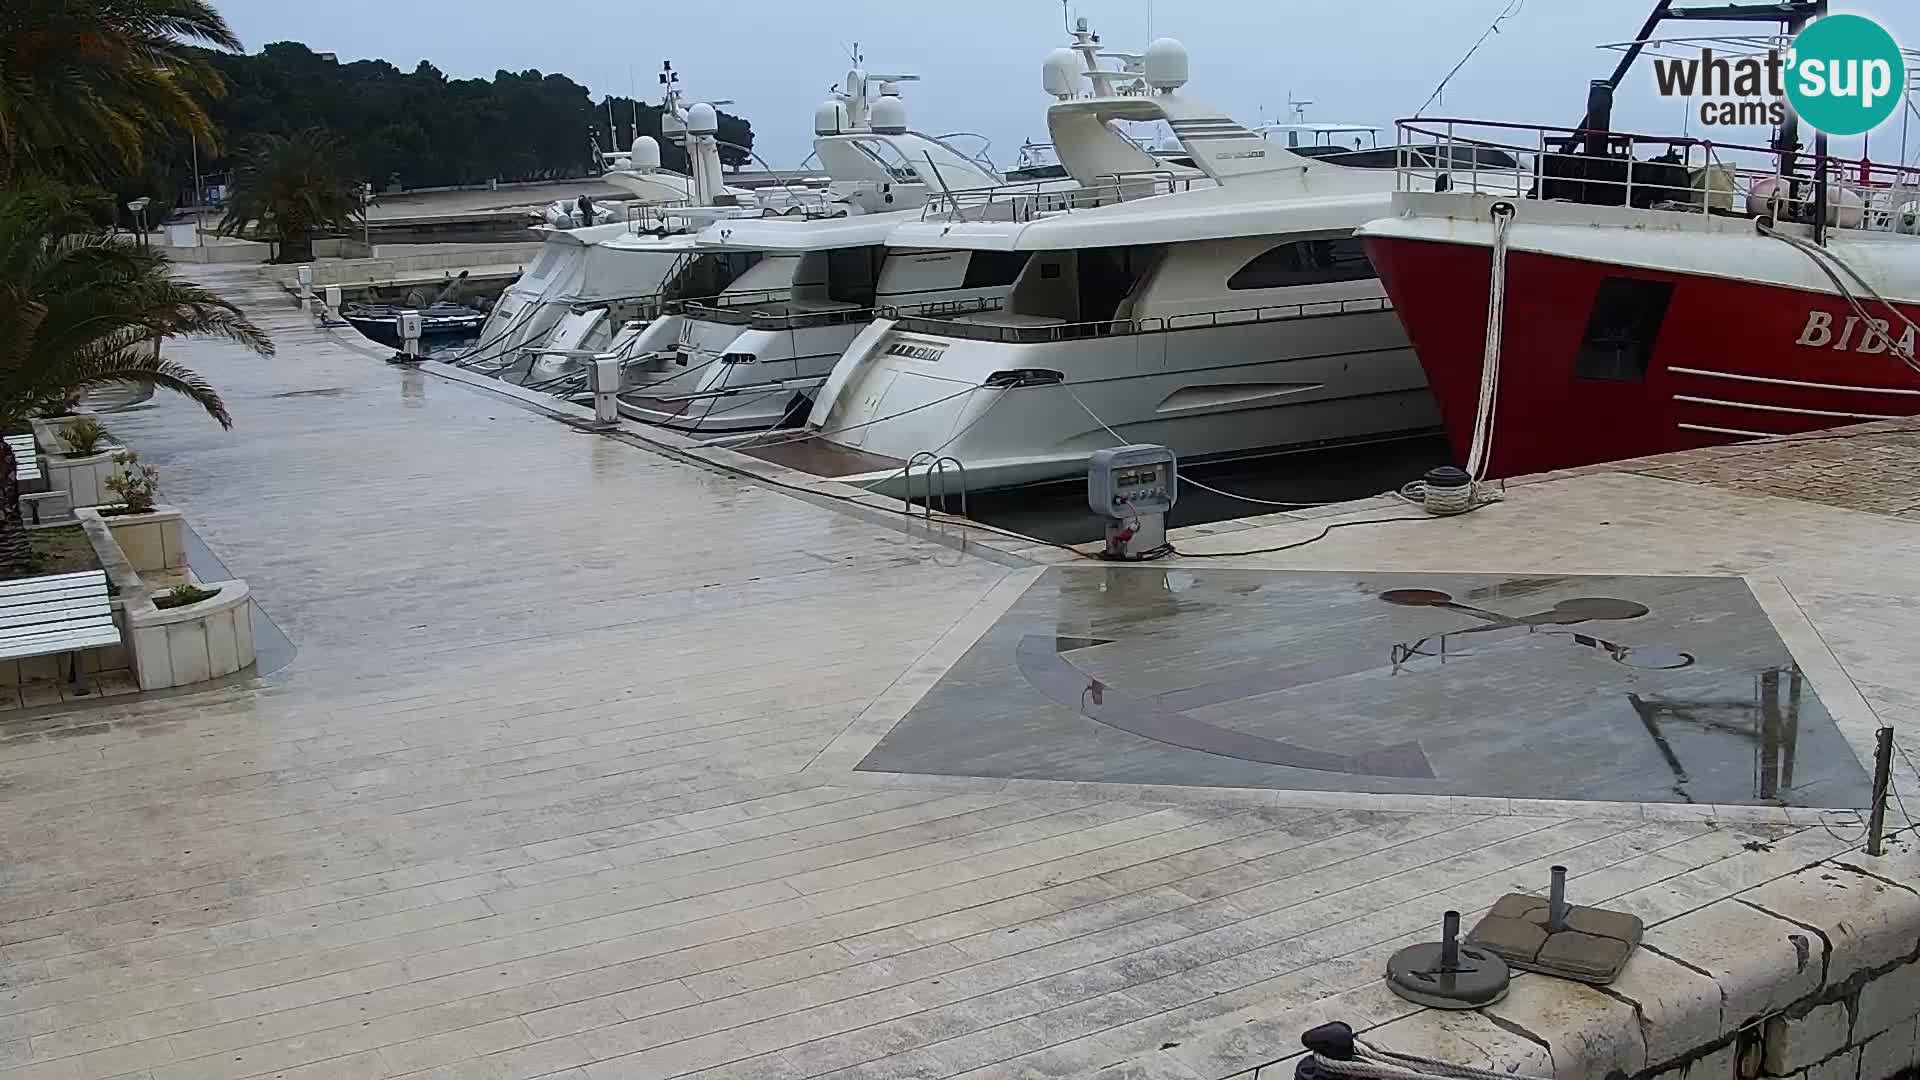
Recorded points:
(407, 325)
(1133, 487)
(603, 380)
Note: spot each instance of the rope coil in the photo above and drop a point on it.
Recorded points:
(1485, 409)
(1335, 1051)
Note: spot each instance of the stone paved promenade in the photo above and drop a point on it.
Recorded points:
(559, 784)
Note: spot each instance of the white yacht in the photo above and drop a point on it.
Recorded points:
(573, 273)
(1219, 310)
(800, 283)
(576, 283)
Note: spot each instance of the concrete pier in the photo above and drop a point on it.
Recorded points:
(611, 756)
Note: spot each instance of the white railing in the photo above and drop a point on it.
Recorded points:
(1680, 173)
(1043, 333)
(1024, 201)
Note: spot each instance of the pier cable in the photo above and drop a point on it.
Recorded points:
(1821, 258)
(907, 469)
(467, 357)
(1185, 479)
(803, 436)
(1317, 537)
(1404, 493)
(1370, 1062)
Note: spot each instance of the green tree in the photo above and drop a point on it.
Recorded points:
(81, 308)
(421, 126)
(288, 188)
(86, 85)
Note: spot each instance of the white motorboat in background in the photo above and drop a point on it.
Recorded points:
(1220, 310)
(575, 274)
(812, 276)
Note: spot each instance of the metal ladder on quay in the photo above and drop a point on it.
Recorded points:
(936, 466)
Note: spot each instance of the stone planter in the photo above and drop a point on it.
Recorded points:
(82, 476)
(184, 645)
(150, 541)
(172, 646)
(46, 431)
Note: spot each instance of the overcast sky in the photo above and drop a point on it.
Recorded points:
(1359, 61)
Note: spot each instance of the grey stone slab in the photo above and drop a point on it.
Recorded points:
(1620, 689)
(1592, 947)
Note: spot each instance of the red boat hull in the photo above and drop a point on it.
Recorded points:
(1731, 359)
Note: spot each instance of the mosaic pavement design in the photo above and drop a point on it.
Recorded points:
(1633, 689)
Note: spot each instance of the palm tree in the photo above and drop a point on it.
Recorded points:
(80, 308)
(86, 85)
(294, 186)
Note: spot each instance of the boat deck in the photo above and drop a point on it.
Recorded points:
(601, 758)
(819, 457)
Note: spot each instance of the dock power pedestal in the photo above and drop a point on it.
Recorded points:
(407, 326)
(603, 380)
(1133, 487)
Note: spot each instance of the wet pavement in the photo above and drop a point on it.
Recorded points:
(560, 779)
(1628, 689)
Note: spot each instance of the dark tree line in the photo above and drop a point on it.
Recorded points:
(419, 128)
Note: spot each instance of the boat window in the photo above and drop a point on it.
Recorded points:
(1109, 276)
(852, 274)
(1304, 262)
(709, 274)
(993, 269)
(1621, 330)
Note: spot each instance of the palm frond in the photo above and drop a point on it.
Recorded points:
(157, 370)
(87, 85)
(81, 308)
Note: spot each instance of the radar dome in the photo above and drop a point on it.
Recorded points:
(1166, 65)
(702, 119)
(672, 126)
(1061, 74)
(889, 115)
(830, 118)
(646, 155)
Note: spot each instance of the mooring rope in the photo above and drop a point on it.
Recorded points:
(1485, 409)
(1822, 257)
(1370, 1062)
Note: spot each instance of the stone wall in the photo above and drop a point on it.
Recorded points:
(1813, 975)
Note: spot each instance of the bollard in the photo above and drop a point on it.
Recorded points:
(1557, 900)
(1882, 782)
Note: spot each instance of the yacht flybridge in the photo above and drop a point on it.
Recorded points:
(1220, 309)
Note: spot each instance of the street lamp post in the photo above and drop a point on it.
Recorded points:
(139, 209)
(199, 198)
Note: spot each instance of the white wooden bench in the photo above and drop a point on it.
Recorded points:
(59, 613)
(26, 457)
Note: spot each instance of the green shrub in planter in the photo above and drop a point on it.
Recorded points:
(136, 484)
(182, 595)
(83, 436)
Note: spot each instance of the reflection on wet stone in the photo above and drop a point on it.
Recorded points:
(1609, 688)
